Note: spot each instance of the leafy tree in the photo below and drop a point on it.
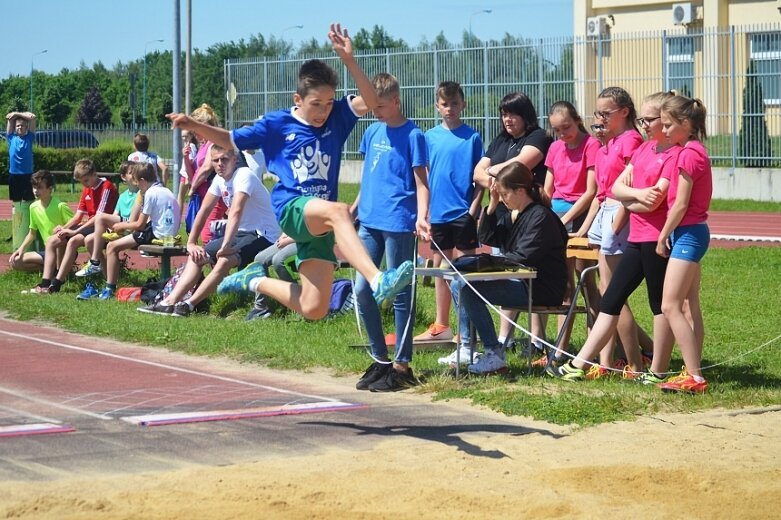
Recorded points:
(312, 46)
(93, 110)
(378, 38)
(55, 108)
(753, 139)
(17, 104)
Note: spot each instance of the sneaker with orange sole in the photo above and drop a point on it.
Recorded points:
(435, 333)
(597, 372)
(630, 374)
(687, 385)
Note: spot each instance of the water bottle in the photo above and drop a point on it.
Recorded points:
(168, 230)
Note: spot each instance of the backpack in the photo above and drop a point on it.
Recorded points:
(341, 297)
(169, 285)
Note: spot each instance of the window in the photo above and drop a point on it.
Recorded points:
(680, 65)
(765, 53)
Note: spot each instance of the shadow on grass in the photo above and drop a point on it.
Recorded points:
(448, 435)
(742, 376)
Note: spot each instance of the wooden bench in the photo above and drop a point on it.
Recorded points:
(165, 253)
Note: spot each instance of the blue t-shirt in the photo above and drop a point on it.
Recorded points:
(388, 190)
(305, 158)
(452, 157)
(20, 153)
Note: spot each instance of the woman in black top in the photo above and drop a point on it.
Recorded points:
(522, 140)
(519, 220)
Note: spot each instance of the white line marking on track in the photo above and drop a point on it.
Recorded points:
(168, 367)
(28, 414)
(53, 404)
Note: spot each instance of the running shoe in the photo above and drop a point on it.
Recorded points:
(106, 294)
(649, 378)
(435, 332)
(488, 364)
(375, 372)
(394, 380)
(157, 308)
(687, 385)
(181, 310)
(90, 291)
(597, 372)
(393, 281)
(567, 372)
(110, 236)
(88, 269)
(464, 354)
(239, 281)
(629, 374)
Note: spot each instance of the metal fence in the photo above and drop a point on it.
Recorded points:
(736, 71)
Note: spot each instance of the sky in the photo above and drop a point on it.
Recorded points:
(110, 31)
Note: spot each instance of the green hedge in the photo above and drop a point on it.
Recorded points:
(107, 158)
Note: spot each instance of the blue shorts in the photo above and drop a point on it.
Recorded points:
(560, 207)
(601, 231)
(690, 242)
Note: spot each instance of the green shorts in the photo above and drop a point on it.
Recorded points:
(309, 246)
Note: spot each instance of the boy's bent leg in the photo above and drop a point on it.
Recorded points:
(322, 216)
(309, 298)
(187, 280)
(209, 284)
(69, 256)
(112, 257)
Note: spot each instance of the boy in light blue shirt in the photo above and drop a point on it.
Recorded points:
(392, 207)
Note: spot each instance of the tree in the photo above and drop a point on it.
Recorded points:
(54, 106)
(17, 104)
(753, 139)
(93, 110)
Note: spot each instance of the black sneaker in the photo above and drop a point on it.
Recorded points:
(394, 381)
(375, 372)
(181, 310)
(157, 308)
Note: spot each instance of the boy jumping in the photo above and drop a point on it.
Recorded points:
(303, 147)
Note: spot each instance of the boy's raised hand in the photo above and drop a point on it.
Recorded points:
(180, 120)
(340, 40)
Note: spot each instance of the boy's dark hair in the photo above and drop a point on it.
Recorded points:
(143, 171)
(519, 104)
(44, 177)
(141, 142)
(314, 74)
(83, 168)
(449, 90)
(386, 85)
(124, 168)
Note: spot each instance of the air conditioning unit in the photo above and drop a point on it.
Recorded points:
(596, 26)
(684, 13)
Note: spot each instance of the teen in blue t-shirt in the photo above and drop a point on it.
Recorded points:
(392, 206)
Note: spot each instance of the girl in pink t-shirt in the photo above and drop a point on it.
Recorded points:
(571, 184)
(642, 189)
(685, 236)
(607, 220)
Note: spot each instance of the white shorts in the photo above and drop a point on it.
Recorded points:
(601, 231)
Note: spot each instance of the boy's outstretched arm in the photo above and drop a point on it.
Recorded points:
(343, 46)
(215, 134)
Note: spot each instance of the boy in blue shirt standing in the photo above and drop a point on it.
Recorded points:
(303, 146)
(454, 149)
(20, 133)
(392, 206)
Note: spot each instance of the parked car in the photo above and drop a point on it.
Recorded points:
(65, 139)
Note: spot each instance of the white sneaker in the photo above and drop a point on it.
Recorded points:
(88, 269)
(463, 357)
(490, 363)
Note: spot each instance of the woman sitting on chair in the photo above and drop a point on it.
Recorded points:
(519, 220)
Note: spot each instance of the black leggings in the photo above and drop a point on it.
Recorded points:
(638, 261)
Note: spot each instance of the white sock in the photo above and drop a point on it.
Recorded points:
(253, 284)
(501, 339)
(375, 282)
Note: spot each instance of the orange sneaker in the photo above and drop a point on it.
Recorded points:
(630, 374)
(597, 372)
(685, 385)
(435, 332)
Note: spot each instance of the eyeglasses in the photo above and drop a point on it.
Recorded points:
(642, 121)
(604, 115)
(597, 128)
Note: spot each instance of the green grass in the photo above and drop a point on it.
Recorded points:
(741, 296)
(745, 205)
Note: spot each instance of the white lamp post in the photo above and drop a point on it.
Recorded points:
(32, 67)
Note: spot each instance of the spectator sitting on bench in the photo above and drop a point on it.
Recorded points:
(128, 209)
(251, 228)
(275, 256)
(46, 213)
(160, 216)
(98, 196)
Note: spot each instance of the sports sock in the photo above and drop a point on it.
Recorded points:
(253, 284)
(94, 262)
(45, 282)
(375, 282)
(55, 285)
(111, 286)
